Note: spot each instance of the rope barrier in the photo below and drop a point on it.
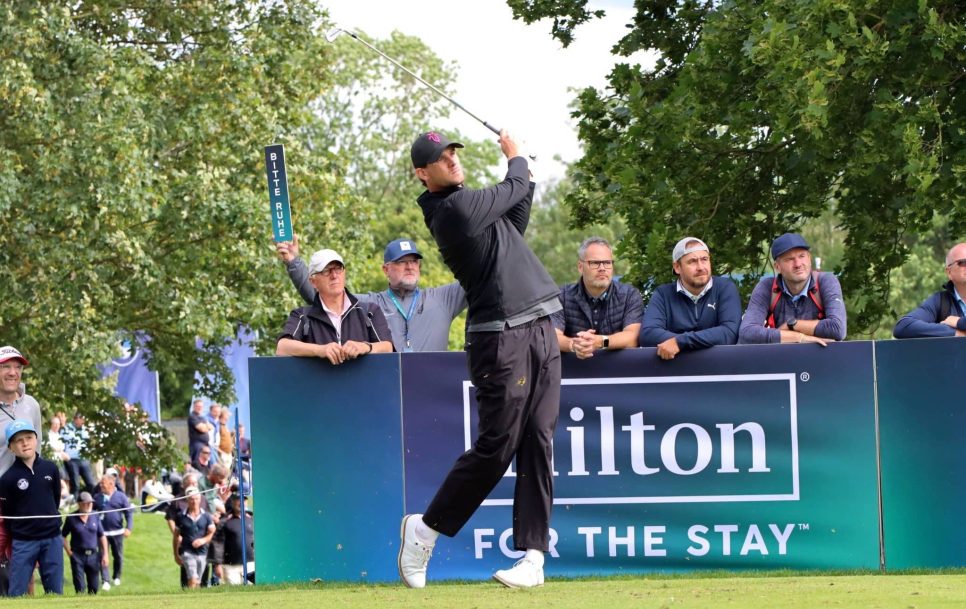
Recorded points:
(97, 513)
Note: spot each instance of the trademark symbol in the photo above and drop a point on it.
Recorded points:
(804, 376)
(803, 526)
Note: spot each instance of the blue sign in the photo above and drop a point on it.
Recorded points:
(278, 192)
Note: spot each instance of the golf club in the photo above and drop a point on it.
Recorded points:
(334, 33)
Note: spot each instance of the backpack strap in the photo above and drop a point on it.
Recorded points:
(815, 294)
(946, 305)
(777, 295)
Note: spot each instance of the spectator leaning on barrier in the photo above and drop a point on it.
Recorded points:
(696, 311)
(419, 318)
(796, 305)
(598, 311)
(31, 487)
(336, 326)
(943, 313)
(14, 402)
(87, 546)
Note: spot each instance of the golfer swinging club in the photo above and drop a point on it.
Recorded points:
(512, 351)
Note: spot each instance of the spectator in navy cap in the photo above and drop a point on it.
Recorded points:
(797, 304)
(419, 318)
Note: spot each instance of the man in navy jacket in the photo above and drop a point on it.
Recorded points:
(696, 311)
(943, 313)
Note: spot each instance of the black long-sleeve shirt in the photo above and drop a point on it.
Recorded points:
(480, 236)
(31, 492)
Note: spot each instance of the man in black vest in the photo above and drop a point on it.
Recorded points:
(943, 313)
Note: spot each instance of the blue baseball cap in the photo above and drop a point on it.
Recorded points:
(399, 248)
(17, 426)
(788, 241)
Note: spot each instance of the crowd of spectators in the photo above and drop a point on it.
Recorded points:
(796, 304)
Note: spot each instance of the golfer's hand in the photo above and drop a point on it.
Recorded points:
(104, 560)
(197, 543)
(177, 560)
(951, 321)
(508, 145)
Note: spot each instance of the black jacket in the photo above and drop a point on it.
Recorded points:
(480, 236)
(36, 492)
(362, 322)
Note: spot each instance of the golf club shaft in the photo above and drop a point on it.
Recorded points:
(495, 130)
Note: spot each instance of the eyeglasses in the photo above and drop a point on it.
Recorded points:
(599, 264)
(961, 263)
(9, 367)
(336, 270)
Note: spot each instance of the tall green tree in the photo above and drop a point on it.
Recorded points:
(367, 120)
(759, 115)
(132, 183)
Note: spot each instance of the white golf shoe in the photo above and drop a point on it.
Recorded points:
(413, 554)
(523, 574)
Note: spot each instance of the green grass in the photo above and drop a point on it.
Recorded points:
(151, 580)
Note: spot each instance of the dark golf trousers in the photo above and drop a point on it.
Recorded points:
(116, 544)
(517, 377)
(85, 568)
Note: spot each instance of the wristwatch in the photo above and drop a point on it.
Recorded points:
(606, 342)
(791, 323)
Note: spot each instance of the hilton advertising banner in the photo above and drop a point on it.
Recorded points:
(763, 459)
(736, 457)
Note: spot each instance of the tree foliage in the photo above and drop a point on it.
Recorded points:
(760, 116)
(132, 185)
(367, 120)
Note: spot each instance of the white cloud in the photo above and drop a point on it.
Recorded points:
(511, 74)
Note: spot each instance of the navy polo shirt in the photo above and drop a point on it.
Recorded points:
(83, 535)
(31, 492)
(192, 529)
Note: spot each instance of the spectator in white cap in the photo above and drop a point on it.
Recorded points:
(695, 312)
(419, 318)
(336, 326)
(797, 304)
(14, 402)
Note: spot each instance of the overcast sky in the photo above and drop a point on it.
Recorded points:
(487, 44)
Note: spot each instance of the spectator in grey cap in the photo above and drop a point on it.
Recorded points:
(336, 326)
(419, 318)
(695, 312)
(797, 304)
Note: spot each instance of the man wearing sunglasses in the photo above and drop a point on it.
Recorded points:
(336, 326)
(943, 313)
(598, 311)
